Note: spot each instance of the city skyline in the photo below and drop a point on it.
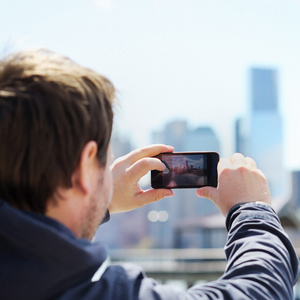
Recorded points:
(172, 60)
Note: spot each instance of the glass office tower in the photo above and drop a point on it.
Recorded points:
(260, 135)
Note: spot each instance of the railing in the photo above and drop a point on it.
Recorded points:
(189, 265)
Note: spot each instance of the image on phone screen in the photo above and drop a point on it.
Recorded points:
(186, 170)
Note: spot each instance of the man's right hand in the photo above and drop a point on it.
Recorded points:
(127, 172)
(239, 181)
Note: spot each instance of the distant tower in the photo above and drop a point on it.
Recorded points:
(260, 135)
(120, 145)
(264, 90)
(202, 139)
(296, 190)
(240, 136)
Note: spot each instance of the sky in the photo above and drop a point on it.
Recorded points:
(172, 59)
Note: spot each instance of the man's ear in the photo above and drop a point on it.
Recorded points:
(84, 172)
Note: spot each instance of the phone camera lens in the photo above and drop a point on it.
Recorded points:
(166, 171)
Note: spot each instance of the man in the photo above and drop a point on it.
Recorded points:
(56, 187)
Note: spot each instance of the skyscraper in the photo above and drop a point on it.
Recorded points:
(264, 90)
(296, 190)
(260, 134)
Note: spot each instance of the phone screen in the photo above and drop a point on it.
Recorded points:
(186, 170)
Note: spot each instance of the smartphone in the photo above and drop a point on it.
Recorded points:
(186, 170)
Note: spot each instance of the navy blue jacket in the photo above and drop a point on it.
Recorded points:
(41, 259)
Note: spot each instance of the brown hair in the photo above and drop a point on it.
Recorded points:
(50, 107)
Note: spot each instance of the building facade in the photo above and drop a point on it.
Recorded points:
(260, 133)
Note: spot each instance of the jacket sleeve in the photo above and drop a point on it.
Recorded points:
(261, 261)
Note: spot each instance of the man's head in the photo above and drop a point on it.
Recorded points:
(50, 108)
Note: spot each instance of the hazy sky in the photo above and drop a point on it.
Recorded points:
(172, 59)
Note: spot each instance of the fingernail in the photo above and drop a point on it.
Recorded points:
(169, 194)
(199, 193)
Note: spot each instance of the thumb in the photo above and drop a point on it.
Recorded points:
(154, 195)
(207, 192)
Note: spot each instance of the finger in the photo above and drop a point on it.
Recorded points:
(251, 162)
(238, 159)
(207, 192)
(261, 173)
(150, 196)
(148, 151)
(143, 166)
(224, 163)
